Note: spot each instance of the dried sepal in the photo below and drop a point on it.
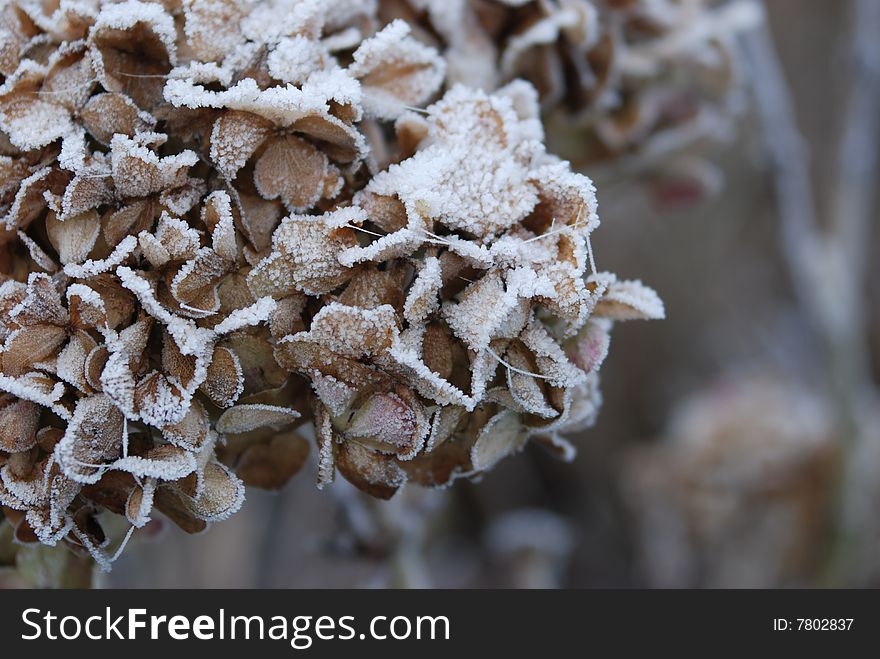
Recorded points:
(74, 237)
(138, 172)
(19, 421)
(224, 381)
(222, 494)
(502, 435)
(297, 173)
(396, 71)
(107, 114)
(392, 422)
(93, 437)
(213, 27)
(165, 462)
(246, 417)
(374, 473)
(630, 300)
(134, 46)
(139, 505)
(271, 465)
(304, 255)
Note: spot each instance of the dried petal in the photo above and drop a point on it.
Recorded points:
(247, 417)
(270, 466)
(296, 172)
(222, 494)
(225, 379)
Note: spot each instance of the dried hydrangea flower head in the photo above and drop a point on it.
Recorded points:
(460, 317)
(226, 219)
(633, 79)
(739, 491)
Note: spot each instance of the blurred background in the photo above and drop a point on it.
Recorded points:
(738, 442)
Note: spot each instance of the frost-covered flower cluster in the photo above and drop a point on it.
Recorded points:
(638, 78)
(226, 220)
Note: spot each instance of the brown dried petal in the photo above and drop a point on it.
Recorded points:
(140, 503)
(170, 504)
(135, 48)
(630, 300)
(159, 401)
(390, 422)
(165, 462)
(41, 305)
(502, 435)
(387, 213)
(139, 172)
(217, 216)
(129, 220)
(287, 317)
(374, 473)
(373, 288)
(247, 417)
(86, 191)
(32, 121)
(109, 113)
(271, 465)
(30, 345)
(175, 363)
(222, 494)
(93, 436)
(258, 366)
(192, 431)
(225, 380)
(296, 172)
(75, 237)
(527, 389)
(588, 349)
(71, 362)
(341, 141)
(305, 255)
(396, 71)
(29, 201)
(324, 437)
(236, 136)
(94, 366)
(195, 284)
(352, 331)
(213, 27)
(19, 420)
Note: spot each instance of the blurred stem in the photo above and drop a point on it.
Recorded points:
(828, 265)
(269, 545)
(406, 519)
(401, 524)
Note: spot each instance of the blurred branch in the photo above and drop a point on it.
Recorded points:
(850, 223)
(400, 525)
(268, 548)
(858, 152)
(789, 161)
(828, 266)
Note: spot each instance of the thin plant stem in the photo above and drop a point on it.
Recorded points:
(827, 265)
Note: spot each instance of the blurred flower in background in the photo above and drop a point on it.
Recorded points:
(739, 491)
